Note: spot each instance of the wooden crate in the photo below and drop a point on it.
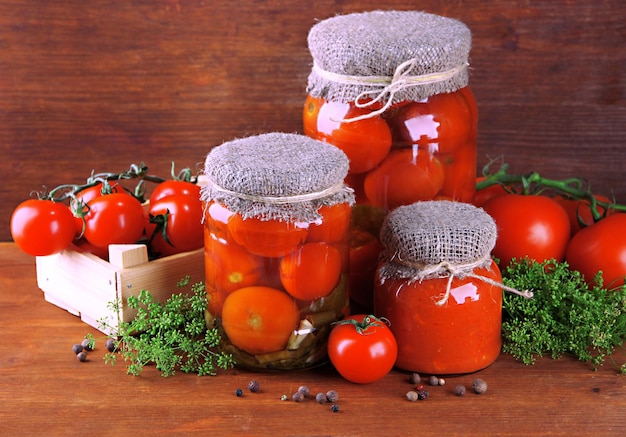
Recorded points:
(85, 285)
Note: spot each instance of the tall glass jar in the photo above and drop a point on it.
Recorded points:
(276, 254)
(439, 288)
(390, 88)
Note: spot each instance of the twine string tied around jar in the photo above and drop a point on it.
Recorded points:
(386, 86)
(461, 270)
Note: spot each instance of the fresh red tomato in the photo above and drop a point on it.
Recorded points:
(362, 348)
(42, 227)
(530, 226)
(600, 247)
(180, 217)
(114, 219)
(89, 193)
(175, 187)
(482, 196)
(580, 209)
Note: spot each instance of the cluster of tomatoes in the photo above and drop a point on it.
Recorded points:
(552, 226)
(103, 213)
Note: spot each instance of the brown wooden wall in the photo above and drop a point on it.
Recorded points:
(97, 85)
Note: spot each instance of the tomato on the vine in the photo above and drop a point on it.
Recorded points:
(116, 218)
(483, 195)
(42, 227)
(175, 187)
(180, 218)
(86, 195)
(600, 247)
(362, 348)
(530, 226)
(580, 209)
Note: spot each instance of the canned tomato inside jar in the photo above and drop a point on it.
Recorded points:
(277, 214)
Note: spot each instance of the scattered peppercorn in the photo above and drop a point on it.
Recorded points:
(320, 397)
(332, 396)
(284, 398)
(459, 390)
(304, 390)
(419, 387)
(479, 386)
(412, 395)
(253, 386)
(297, 397)
(110, 345)
(422, 394)
(77, 348)
(441, 381)
(239, 392)
(334, 408)
(87, 344)
(433, 380)
(81, 356)
(414, 378)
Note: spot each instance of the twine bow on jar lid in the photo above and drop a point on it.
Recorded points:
(436, 239)
(387, 56)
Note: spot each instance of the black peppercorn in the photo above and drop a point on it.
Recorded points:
(414, 378)
(239, 392)
(433, 380)
(332, 396)
(81, 356)
(253, 386)
(422, 394)
(77, 348)
(479, 386)
(334, 408)
(459, 390)
(320, 397)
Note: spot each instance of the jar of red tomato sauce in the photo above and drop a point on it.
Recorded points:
(439, 288)
(276, 220)
(390, 88)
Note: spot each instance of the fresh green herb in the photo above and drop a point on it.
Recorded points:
(172, 335)
(565, 316)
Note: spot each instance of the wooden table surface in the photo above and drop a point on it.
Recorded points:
(44, 390)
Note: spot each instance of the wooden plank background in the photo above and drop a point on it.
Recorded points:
(97, 85)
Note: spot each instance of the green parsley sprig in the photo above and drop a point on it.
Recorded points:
(566, 316)
(172, 335)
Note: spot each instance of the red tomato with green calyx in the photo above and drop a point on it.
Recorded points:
(116, 218)
(180, 218)
(42, 227)
(600, 247)
(362, 348)
(175, 187)
(530, 226)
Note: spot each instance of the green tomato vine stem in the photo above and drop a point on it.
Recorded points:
(534, 183)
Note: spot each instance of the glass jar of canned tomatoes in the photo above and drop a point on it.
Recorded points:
(390, 88)
(277, 214)
(439, 288)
